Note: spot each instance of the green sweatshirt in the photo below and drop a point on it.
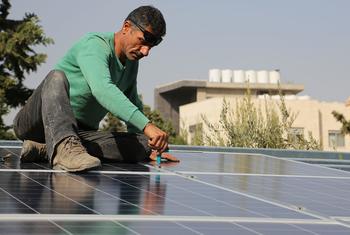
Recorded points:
(100, 83)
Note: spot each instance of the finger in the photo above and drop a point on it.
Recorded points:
(160, 142)
(164, 143)
(170, 157)
(153, 148)
(152, 145)
(164, 147)
(152, 142)
(153, 156)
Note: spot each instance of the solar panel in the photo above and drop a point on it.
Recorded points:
(206, 193)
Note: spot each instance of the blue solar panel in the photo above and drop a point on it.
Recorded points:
(209, 162)
(205, 193)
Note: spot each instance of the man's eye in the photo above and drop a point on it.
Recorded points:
(142, 40)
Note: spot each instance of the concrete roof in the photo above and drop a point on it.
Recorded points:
(295, 88)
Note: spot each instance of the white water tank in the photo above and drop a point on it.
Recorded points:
(238, 76)
(226, 75)
(263, 76)
(290, 97)
(304, 97)
(263, 97)
(214, 75)
(275, 76)
(250, 76)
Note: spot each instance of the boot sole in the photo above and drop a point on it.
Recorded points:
(82, 168)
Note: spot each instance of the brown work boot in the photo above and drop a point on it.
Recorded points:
(72, 156)
(33, 152)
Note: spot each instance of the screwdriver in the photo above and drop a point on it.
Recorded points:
(159, 159)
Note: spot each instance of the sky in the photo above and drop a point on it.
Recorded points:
(307, 40)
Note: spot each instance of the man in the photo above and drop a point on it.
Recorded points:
(96, 76)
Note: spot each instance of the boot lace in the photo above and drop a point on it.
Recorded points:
(73, 145)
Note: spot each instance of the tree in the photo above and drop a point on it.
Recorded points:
(4, 133)
(345, 129)
(252, 127)
(112, 123)
(17, 58)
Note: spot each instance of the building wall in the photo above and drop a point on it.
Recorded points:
(312, 115)
(207, 93)
(169, 97)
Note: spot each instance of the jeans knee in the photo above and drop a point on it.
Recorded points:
(55, 81)
(59, 76)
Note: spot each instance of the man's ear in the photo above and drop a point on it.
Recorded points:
(126, 26)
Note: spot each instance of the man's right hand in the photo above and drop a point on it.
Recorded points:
(158, 139)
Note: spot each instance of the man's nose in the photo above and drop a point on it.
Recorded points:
(145, 50)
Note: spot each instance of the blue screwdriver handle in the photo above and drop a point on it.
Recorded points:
(159, 159)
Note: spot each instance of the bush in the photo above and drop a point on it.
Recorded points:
(253, 127)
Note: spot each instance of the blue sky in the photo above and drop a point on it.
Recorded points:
(308, 40)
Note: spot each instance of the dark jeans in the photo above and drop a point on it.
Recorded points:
(47, 117)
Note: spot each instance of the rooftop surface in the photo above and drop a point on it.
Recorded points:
(206, 193)
(173, 86)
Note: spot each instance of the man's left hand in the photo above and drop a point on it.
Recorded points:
(164, 155)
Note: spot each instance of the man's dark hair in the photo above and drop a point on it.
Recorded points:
(149, 15)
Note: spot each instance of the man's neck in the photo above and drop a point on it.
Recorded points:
(117, 48)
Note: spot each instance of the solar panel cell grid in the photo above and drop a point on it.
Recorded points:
(206, 193)
(248, 164)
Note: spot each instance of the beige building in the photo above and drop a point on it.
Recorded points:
(312, 116)
(183, 102)
(169, 97)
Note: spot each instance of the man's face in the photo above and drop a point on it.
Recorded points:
(135, 45)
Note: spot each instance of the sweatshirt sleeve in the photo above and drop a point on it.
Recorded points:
(134, 98)
(93, 60)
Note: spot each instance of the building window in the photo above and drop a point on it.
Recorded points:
(336, 139)
(196, 134)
